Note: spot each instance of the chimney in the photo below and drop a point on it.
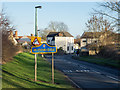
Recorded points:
(60, 34)
(31, 34)
(16, 32)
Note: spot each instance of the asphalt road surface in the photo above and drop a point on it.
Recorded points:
(86, 75)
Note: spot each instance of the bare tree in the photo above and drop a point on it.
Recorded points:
(112, 6)
(58, 26)
(44, 33)
(53, 27)
(9, 49)
(5, 23)
(97, 26)
(78, 37)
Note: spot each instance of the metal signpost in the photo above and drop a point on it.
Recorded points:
(35, 42)
(44, 49)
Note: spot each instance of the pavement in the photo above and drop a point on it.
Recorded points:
(86, 75)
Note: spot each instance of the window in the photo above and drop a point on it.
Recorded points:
(95, 41)
(72, 47)
(67, 48)
(84, 40)
(48, 41)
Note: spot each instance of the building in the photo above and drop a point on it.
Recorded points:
(95, 39)
(11, 37)
(77, 43)
(62, 40)
(43, 41)
(89, 38)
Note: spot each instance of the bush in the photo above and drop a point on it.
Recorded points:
(109, 52)
(8, 47)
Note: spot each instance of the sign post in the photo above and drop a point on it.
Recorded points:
(53, 68)
(35, 67)
(36, 42)
(43, 49)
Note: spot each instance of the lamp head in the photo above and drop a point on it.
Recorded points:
(38, 7)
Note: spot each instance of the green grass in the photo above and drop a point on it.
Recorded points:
(19, 73)
(100, 61)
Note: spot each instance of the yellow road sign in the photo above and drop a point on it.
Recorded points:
(35, 40)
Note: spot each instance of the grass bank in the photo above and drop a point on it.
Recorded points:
(19, 73)
(100, 61)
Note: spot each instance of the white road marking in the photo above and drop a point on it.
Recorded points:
(75, 83)
(113, 78)
(107, 76)
(67, 71)
(70, 70)
(96, 72)
(76, 71)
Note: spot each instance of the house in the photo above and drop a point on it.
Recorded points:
(62, 40)
(43, 41)
(24, 40)
(76, 43)
(89, 37)
(11, 37)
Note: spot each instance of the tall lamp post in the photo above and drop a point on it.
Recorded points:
(36, 34)
(36, 19)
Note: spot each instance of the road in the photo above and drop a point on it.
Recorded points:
(86, 75)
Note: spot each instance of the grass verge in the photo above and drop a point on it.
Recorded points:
(19, 73)
(100, 61)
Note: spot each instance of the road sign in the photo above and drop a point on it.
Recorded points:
(44, 48)
(35, 40)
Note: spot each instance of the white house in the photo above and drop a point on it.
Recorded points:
(61, 39)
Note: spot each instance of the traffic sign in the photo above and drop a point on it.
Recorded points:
(43, 48)
(35, 40)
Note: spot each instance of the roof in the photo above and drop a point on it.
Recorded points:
(77, 40)
(20, 36)
(29, 37)
(65, 34)
(24, 39)
(51, 34)
(91, 34)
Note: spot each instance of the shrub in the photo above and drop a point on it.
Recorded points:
(109, 52)
(8, 47)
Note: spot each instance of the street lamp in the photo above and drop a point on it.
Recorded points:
(36, 19)
(36, 35)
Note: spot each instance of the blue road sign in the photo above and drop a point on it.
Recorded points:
(43, 48)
